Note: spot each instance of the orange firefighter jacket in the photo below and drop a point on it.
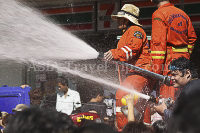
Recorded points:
(133, 48)
(172, 36)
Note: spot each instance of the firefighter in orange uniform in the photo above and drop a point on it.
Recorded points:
(173, 36)
(133, 49)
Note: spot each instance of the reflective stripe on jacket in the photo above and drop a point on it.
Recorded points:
(133, 47)
(170, 25)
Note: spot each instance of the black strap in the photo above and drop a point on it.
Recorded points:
(129, 13)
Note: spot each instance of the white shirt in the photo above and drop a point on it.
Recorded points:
(69, 103)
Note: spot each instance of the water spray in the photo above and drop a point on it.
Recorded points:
(38, 40)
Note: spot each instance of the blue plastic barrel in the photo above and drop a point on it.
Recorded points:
(12, 96)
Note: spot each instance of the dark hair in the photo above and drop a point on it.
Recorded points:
(186, 116)
(136, 127)
(62, 80)
(97, 91)
(130, 23)
(158, 1)
(183, 64)
(160, 126)
(36, 120)
(95, 128)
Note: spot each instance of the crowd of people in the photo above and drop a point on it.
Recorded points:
(182, 117)
(37, 120)
(173, 39)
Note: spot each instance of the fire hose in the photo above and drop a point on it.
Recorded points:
(162, 78)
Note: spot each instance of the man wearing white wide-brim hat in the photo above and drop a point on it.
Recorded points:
(132, 48)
